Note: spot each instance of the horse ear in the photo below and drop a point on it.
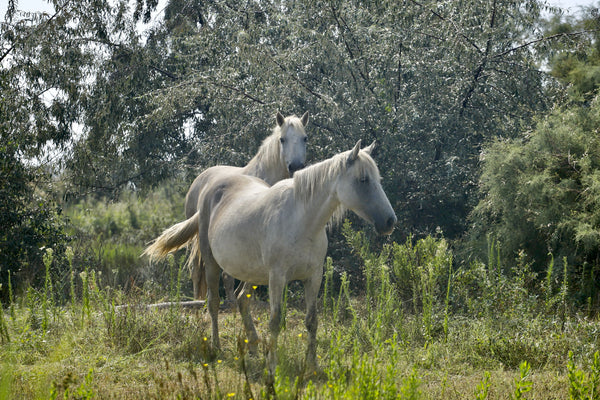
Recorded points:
(370, 148)
(304, 119)
(280, 119)
(354, 153)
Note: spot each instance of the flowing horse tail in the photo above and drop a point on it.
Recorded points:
(173, 239)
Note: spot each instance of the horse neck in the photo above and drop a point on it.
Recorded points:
(267, 164)
(315, 190)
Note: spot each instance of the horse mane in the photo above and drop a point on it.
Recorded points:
(269, 152)
(315, 178)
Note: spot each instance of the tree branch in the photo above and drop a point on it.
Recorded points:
(542, 39)
(7, 52)
(482, 64)
(440, 16)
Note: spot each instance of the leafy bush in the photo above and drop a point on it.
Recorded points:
(541, 197)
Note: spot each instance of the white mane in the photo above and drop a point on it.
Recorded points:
(269, 152)
(315, 178)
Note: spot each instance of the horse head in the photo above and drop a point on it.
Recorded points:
(359, 189)
(293, 141)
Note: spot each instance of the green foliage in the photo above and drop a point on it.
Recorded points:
(110, 236)
(483, 387)
(523, 384)
(577, 62)
(29, 223)
(107, 343)
(584, 385)
(408, 277)
(84, 391)
(540, 196)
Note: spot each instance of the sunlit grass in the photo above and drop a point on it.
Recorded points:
(430, 338)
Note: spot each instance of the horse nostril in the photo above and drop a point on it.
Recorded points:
(293, 167)
(392, 221)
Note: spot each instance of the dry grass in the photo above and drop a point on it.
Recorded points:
(163, 355)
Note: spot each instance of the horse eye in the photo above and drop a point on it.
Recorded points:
(364, 179)
(282, 140)
(305, 139)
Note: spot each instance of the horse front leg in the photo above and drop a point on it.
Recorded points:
(276, 287)
(311, 291)
(243, 301)
(229, 285)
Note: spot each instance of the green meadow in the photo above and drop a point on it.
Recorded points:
(417, 330)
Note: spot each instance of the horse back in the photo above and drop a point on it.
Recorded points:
(207, 177)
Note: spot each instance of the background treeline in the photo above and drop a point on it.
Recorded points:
(486, 114)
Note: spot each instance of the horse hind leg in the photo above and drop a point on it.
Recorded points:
(243, 302)
(199, 280)
(212, 273)
(197, 273)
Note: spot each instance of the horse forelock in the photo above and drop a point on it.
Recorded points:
(269, 151)
(290, 122)
(366, 167)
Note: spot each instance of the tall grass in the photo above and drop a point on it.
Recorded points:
(421, 329)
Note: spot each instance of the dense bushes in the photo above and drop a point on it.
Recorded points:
(542, 198)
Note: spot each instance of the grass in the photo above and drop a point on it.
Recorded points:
(420, 330)
(151, 354)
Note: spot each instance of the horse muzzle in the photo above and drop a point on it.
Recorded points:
(386, 226)
(295, 166)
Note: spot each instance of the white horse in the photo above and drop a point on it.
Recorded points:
(271, 235)
(280, 155)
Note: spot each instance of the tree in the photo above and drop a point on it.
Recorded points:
(577, 62)
(542, 195)
(45, 64)
(539, 191)
(430, 81)
(30, 221)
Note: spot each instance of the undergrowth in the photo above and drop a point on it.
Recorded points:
(421, 329)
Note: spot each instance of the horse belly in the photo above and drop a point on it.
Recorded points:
(237, 251)
(299, 258)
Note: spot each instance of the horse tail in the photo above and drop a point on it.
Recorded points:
(173, 238)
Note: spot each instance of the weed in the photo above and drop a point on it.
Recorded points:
(483, 388)
(48, 293)
(410, 387)
(523, 384)
(584, 385)
(4, 335)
